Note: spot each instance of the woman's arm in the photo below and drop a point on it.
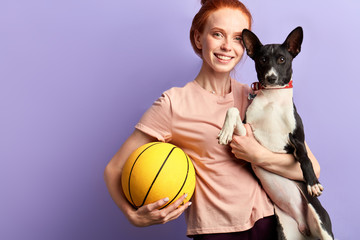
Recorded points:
(249, 149)
(148, 214)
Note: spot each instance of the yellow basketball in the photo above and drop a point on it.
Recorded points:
(157, 170)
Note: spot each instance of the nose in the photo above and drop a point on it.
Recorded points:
(271, 78)
(226, 46)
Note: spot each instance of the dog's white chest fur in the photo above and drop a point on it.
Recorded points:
(271, 115)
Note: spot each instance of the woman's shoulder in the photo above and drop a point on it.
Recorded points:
(241, 86)
(241, 90)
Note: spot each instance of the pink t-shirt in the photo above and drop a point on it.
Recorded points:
(227, 197)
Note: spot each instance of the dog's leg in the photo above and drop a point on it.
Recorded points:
(316, 225)
(285, 194)
(231, 125)
(314, 188)
(287, 227)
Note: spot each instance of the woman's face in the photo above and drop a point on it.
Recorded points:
(221, 42)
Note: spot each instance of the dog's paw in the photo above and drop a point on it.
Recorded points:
(225, 136)
(232, 123)
(315, 190)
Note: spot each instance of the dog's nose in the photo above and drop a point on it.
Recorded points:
(271, 78)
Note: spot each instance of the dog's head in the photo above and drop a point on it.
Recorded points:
(273, 62)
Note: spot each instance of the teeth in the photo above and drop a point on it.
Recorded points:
(223, 57)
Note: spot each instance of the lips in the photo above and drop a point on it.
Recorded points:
(223, 57)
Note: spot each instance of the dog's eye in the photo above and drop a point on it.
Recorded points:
(281, 60)
(263, 59)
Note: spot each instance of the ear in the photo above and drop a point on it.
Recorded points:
(293, 41)
(197, 38)
(251, 42)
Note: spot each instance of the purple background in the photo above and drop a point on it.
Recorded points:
(76, 75)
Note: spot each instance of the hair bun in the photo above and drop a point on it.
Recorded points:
(203, 2)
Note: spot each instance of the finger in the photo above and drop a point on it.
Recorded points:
(248, 128)
(174, 205)
(233, 146)
(235, 140)
(176, 213)
(154, 206)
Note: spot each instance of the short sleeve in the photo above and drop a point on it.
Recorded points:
(156, 121)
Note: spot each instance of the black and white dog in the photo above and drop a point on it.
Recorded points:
(277, 126)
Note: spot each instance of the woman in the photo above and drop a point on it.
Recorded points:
(228, 202)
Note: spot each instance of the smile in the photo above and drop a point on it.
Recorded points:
(223, 57)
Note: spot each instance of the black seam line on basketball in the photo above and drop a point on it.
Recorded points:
(187, 174)
(132, 167)
(157, 176)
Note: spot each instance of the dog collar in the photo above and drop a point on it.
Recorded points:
(257, 86)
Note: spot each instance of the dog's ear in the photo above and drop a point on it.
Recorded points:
(293, 41)
(251, 42)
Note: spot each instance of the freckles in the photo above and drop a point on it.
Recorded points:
(240, 53)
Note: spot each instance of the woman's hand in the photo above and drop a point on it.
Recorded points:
(150, 214)
(247, 147)
(146, 215)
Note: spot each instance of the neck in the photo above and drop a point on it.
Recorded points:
(257, 86)
(214, 82)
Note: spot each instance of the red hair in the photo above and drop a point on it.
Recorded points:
(208, 7)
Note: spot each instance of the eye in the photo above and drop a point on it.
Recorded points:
(238, 38)
(281, 60)
(263, 59)
(217, 34)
